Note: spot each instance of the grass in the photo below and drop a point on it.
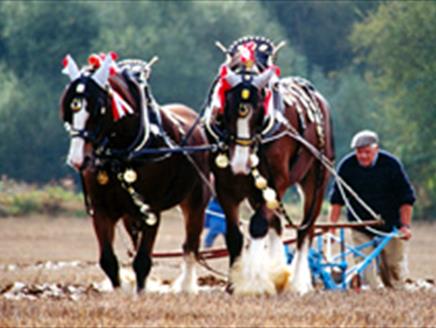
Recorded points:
(55, 199)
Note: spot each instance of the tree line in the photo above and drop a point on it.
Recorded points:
(373, 61)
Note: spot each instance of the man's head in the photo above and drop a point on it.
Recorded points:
(365, 144)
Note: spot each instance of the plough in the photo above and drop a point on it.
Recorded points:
(330, 269)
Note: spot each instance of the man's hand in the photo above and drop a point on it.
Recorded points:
(406, 211)
(405, 233)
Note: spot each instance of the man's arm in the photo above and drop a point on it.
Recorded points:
(406, 211)
(335, 212)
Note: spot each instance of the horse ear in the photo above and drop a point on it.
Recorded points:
(70, 68)
(101, 76)
(262, 79)
(231, 77)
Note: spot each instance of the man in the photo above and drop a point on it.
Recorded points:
(215, 222)
(380, 180)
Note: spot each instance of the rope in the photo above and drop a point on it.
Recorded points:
(202, 261)
(130, 252)
(292, 133)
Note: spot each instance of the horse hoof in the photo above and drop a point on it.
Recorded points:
(182, 285)
(230, 289)
(281, 279)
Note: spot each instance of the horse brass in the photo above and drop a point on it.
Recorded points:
(102, 178)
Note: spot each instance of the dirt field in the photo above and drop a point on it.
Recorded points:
(54, 260)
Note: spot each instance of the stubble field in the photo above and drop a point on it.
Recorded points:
(49, 277)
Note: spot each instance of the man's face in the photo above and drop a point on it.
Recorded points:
(366, 154)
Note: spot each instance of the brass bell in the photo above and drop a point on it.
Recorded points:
(254, 160)
(102, 178)
(269, 194)
(151, 220)
(272, 204)
(130, 176)
(260, 182)
(222, 161)
(270, 197)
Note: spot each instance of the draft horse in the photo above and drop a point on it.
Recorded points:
(115, 124)
(255, 116)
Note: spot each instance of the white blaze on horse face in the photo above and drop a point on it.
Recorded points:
(76, 152)
(239, 162)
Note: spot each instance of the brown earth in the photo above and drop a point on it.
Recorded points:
(62, 252)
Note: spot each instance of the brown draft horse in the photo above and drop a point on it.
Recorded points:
(252, 113)
(110, 117)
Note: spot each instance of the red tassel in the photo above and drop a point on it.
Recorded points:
(114, 55)
(223, 88)
(266, 102)
(94, 60)
(115, 113)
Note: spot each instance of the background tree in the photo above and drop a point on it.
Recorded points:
(389, 87)
(319, 29)
(36, 36)
(184, 43)
(398, 42)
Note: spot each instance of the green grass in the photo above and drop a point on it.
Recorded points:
(21, 199)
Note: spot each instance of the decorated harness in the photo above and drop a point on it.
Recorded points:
(253, 56)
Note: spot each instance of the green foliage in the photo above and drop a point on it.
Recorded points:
(20, 199)
(352, 104)
(319, 29)
(398, 42)
(184, 43)
(37, 35)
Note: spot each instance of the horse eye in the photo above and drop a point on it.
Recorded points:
(243, 110)
(76, 105)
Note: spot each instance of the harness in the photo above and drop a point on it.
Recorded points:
(151, 144)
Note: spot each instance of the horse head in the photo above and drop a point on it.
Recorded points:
(244, 109)
(87, 106)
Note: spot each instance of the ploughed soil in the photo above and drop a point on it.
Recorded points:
(49, 276)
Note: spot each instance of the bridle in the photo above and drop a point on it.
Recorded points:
(223, 136)
(98, 142)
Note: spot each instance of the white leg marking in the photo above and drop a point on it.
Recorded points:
(250, 273)
(301, 281)
(279, 271)
(187, 281)
(239, 162)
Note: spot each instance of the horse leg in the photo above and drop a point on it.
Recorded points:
(279, 271)
(233, 237)
(193, 208)
(104, 229)
(313, 186)
(250, 273)
(142, 262)
(263, 262)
